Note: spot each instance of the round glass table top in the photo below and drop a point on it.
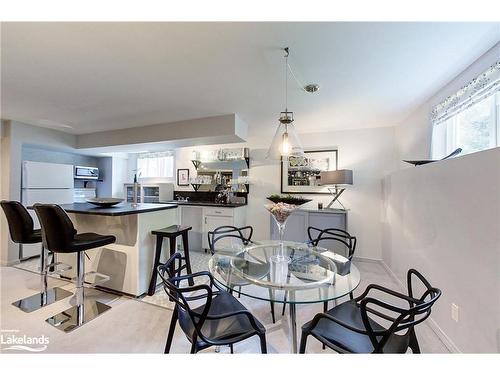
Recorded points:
(305, 274)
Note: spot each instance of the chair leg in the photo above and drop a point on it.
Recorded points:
(231, 348)
(415, 348)
(185, 245)
(239, 291)
(263, 345)
(325, 306)
(303, 342)
(171, 330)
(194, 349)
(351, 295)
(154, 274)
(272, 312)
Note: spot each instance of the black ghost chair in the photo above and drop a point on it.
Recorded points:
(59, 236)
(372, 325)
(220, 319)
(243, 236)
(21, 229)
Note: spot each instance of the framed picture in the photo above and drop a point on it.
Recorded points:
(300, 175)
(183, 177)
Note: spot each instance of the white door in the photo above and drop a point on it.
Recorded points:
(212, 222)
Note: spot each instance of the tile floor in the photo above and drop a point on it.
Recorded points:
(140, 325)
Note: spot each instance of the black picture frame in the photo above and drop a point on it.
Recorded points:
(288, 189)
(184, 182)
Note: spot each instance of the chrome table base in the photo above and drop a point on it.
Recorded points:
(42, 299)
(76, 316)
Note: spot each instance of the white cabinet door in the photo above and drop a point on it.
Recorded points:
(210, 223)
(192, 217)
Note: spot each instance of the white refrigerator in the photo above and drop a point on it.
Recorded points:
(44, 183)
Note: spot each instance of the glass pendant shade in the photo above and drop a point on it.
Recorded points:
(285, 143)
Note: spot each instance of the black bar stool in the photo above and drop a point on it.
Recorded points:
(172, 232)
(59, 236)
(22, 231)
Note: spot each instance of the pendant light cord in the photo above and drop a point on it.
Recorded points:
(287, 51)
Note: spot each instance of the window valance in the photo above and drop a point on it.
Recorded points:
(479, 88)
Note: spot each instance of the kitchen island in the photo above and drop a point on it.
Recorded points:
(129, 261)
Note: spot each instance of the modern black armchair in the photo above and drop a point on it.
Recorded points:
(219, 320)
(317, 235)
(242, 235)
(348, 328)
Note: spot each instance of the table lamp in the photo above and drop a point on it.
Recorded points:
(335, 178)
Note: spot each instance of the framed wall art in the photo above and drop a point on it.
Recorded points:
(300, 175)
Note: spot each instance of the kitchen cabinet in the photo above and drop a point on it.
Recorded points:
(204, 219)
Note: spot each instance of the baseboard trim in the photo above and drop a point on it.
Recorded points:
(10, 263)
(450, 345)
(367, 260)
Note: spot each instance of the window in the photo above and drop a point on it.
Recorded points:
(470, 119)
(156, 165)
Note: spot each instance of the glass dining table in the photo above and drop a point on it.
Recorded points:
(289, 273)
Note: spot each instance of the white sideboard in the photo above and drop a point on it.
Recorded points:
(301, 219)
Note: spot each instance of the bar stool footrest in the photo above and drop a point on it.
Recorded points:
(98, 278)
(59, 268)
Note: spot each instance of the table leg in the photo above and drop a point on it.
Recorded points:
(293, 326)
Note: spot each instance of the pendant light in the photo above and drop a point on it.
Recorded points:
(285, 142)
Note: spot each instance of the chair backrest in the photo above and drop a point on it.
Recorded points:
(399, 318)
(20, 222)
(317, 235)
(57, 229)
(243, 234)
(170, 274)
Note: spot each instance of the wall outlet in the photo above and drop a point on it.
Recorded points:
(454, 312)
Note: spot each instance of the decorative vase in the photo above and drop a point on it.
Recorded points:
(281, 212)
(281, 209)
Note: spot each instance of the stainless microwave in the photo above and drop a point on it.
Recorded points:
(86, 173)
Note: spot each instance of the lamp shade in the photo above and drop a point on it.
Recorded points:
(285, 143)
(338, 177)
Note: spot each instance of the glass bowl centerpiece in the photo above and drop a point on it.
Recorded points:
(281, 209)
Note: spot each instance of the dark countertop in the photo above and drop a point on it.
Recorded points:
(204, 203)
(118, 210)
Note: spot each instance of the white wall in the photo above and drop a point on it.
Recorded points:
(368, 152)
(444, 220)
(413, 136)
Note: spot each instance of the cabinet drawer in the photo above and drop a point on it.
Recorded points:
(218, 211)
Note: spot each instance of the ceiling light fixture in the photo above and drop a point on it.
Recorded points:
(285, 142)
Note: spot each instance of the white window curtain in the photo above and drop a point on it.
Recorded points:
(469, 118)
(156, 164)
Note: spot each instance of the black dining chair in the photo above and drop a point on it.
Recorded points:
(350, 327)
(219, 320)
(317, 235)
(243, 236)
(343, 237)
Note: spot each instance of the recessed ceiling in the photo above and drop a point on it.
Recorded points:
(87, 77)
